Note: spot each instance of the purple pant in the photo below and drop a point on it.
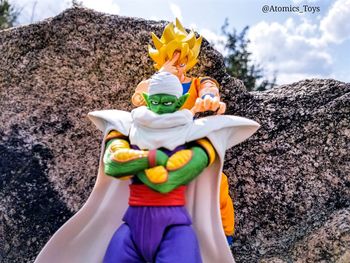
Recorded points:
(154, 234)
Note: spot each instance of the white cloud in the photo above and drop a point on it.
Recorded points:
(298, 49)
(176, 11)
(336, 24)
(294, 50)
(155, 18)
(106, 6)
(215, 39)
(305, 1)
(342, 75)
(35, 10)
(287, 78)
(193, 26)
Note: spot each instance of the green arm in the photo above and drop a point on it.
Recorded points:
(121, 169)
(182, 176)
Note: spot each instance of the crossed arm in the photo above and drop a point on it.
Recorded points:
(154, 168)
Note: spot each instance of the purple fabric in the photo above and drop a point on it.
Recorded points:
(179, 244)
(170, 153)
(148, 224)
(121, 248)
(166, 151)
(154, 234)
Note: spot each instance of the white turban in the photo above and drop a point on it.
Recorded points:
(165, 83)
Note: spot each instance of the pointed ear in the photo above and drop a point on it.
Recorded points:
(146, 98)
(181, 101)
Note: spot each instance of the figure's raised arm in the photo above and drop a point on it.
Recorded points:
(209, 97)
(169, 65)
(137, 98)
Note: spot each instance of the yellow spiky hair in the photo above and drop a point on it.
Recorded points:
(175, 38)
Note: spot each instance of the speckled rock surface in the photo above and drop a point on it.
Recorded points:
(294, 174)
(290, 182)
(331, 241)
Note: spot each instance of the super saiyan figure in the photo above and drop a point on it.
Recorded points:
(177, 52)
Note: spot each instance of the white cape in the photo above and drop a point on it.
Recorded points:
(84, 238)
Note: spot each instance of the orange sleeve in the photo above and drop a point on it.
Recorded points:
(208, 85)
(113, 134)
(193, 91)
(226, 207)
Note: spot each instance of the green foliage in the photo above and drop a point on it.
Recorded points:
(76, 3)
(8, 14)
(238, 61)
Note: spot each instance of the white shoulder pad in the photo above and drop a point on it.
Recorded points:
(231, 130)
(112, 120)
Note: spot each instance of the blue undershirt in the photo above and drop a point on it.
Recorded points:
(185, 87)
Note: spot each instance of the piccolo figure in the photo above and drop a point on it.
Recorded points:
(159, 173)
(177, 52)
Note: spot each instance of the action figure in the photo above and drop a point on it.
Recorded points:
(157, 226)
(176, 52)
(174, 163)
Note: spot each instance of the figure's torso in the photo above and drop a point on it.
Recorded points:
(142, 195)
(191, 88)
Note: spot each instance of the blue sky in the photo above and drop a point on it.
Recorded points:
(311, 41)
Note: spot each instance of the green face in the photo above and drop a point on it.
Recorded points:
(164, 103)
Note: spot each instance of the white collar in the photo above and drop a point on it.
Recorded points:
(142, 116)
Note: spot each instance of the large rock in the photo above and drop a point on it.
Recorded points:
(293, 177)
(290, 182)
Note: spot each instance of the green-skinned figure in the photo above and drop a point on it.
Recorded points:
(172, 164)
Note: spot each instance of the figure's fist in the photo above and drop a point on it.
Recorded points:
(169, 65)
(208, 103)
(137, 98)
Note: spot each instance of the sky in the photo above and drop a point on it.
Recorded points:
(294, 39)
